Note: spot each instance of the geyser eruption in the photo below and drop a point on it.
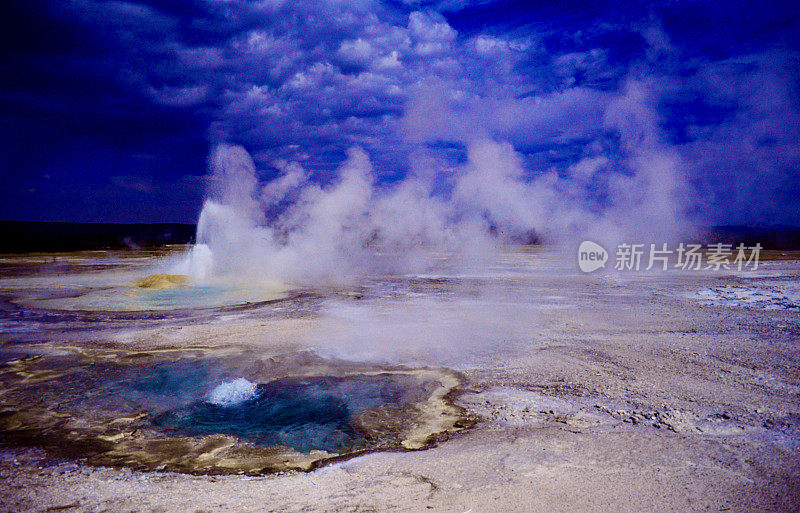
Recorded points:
(324, 234)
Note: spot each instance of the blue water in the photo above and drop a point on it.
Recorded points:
(302, 413)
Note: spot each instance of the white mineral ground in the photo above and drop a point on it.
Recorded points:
(636, 392)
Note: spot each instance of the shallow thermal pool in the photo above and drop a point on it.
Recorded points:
(115, 281)
(129, 298)
(309, 413)
(202, 412)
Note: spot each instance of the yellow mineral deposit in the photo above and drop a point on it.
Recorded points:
(161, 281)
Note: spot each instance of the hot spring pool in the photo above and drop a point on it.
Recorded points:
(124, 298)
(208, 413)
(85, 282)
(313, 413)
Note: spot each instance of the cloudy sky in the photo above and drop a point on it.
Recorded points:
(109, 109)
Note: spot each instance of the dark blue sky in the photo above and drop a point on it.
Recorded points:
(108, 109)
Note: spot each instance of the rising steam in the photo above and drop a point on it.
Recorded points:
(351, 227)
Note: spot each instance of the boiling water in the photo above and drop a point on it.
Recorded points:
(302, 413)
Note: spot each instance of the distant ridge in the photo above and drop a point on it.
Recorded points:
(32, 236)
(777, 237)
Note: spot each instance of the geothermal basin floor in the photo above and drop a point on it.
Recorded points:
(672, 391)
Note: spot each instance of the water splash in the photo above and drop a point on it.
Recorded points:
(232, 393)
